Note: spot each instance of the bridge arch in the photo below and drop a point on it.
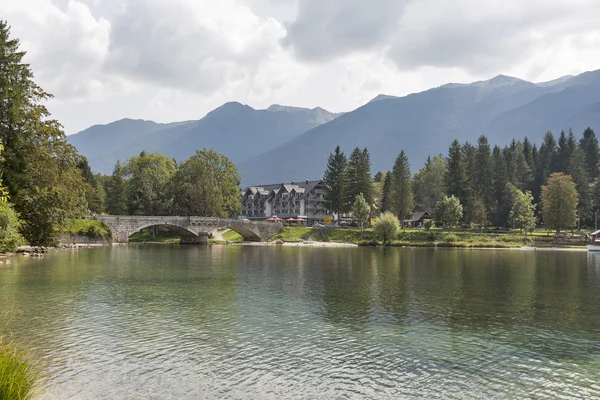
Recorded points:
(190, 229)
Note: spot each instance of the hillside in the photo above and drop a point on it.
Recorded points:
(425, 123)
(237, 130)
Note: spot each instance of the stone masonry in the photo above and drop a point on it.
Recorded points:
(191, 229)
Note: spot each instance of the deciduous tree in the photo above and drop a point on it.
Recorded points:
(361, 210)
(559, 202)
(449, 211)
(387, 226)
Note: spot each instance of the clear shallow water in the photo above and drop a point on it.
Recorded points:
(170, 322)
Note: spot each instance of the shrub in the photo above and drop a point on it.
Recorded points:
(428, 224)
(10, 238)
(387, 226)
(450, 238)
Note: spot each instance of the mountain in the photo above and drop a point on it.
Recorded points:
(234, 129)
(425, 124)
(103, 145)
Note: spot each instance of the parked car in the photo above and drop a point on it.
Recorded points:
(318, 225)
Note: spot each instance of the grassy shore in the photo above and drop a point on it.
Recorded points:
(429, 238)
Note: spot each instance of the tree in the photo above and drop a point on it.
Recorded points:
(480, 215)
(522, 213)
(94, 193)
(564, 153)
(455, 179)
(387, 226)
(40, 168)
(402, 195)
(449, 211)
(3, 192)
(483, 171)
(148, 184)
(386, 193)
(10, 238)
(559, 202)
(207, 185)
(334, 181)
(589, 145)
(500, 209)
(116, 196)
(361, 211)
(428, 183)
(578, 171)
(357, 178)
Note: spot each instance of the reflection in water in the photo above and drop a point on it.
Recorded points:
(271, 322)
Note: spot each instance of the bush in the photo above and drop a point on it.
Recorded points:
(10, 238)
(387, 226)
(450, 238)
(368, 243)
(428, 224)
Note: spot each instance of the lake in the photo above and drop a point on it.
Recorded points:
(241, 322)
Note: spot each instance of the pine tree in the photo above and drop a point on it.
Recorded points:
(334, 180)
(578, 172)
(455, 179)
(559, 202)
(402, 194)
(564, 153)
(484, 176)
(500, 206)
(386, 195)
(589, 145)
(357, 178)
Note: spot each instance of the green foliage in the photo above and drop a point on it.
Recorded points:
(522, 213)
(589, 146)
(559, 202)
(18, 375)
(116, 196)
(455, 179)
(428, 183)
(94, 192)
(161, 237)
(579, 173)
(148, 184)
(358, 178)
(402, 202)
(86, 227)
(206, 185)
(483, 177)
(386, 193)
(3, 192)
(10, 238)
(450, 238)
(232, 236)
(334, 180)
(428, 224)
(449, 211)
(39, 168)
(361, 210)
(387, 226)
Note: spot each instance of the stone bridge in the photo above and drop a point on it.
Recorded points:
(190, 229)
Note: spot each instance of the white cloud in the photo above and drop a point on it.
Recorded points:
(178, 59)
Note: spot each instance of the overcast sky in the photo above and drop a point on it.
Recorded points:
(170, 60)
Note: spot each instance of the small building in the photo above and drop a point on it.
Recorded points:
(418, 219)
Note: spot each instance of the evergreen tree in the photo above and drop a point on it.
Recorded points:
(578, 172)
(546, 161)
(564, 153)
(402, 194)
(94, 194)
(116, 198)
(589, 145)
(484, 176)
(334, 181)
(500, 206)
(386, 195)
(358, 178)
(455, 179)
(523, 175)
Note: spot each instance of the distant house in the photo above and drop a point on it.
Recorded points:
(285, 200)
(418, 219)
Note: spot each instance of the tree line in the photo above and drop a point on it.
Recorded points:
(205, 185)
(518, 185)
(44, 181)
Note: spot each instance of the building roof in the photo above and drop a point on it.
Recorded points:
(302, 187)
(419, 215)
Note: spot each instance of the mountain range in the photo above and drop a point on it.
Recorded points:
(281, 144)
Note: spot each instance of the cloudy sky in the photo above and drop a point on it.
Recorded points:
(169, 60)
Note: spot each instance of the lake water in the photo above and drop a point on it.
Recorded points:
(171, 322)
